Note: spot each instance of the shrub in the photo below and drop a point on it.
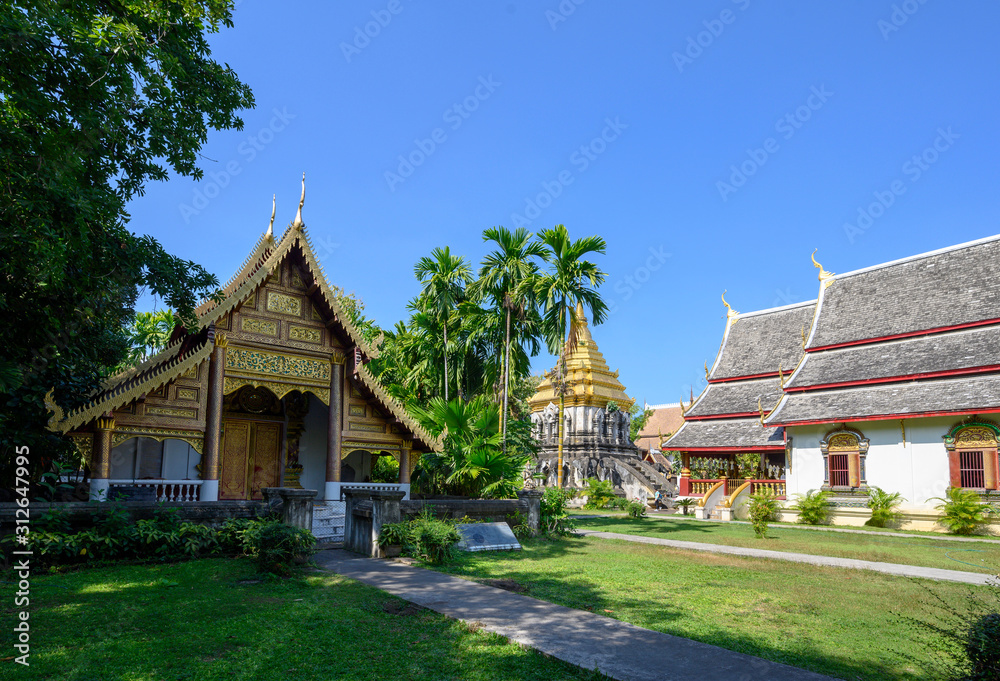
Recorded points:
(554, 519)
(635, 509)
(230, 535)
(884, 506)
(599, 493)
(433, 540)
(275, 546)
(761, 510)
(396, 534)
(982, 648)
(964, 513)
(813, 507)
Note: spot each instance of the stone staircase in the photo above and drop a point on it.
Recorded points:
(328, 522)
(647, 476)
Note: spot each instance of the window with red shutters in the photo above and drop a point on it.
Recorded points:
(838, 470)
(971, 470)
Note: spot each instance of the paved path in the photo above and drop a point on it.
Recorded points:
(888, 568)
(617, 649)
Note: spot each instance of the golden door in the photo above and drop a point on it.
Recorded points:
(250, 459)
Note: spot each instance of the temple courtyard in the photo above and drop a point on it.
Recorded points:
(151, 620)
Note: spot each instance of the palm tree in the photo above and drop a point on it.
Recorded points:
(149, 333)
(507, 276)
(570, 282)
(444, 277)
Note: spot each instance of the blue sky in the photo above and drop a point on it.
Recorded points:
(713, 145)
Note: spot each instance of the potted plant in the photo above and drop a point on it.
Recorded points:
(392, 538)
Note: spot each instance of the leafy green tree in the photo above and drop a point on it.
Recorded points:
(150, 333)
(472, 463)
(96, 99)
(571, 282)
(640, 417)
(444, 277)
(507, 278)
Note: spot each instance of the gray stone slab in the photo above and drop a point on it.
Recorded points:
(487, 537)
(828, 561)
(617, 649)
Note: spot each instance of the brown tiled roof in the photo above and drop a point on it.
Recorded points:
(664, 422)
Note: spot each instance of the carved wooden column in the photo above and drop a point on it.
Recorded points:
(404, 467)
(213, 424)
(100, 461)
(334, 426)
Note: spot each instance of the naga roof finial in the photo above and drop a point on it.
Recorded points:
(825, 278)
(760, 407)
(270, 227)
(730, 312)
(298, 216)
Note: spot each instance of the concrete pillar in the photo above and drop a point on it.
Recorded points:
(533, 499)
(296, 505)
(213, 422)
(367, 511)
(100, 458)
(334, 435)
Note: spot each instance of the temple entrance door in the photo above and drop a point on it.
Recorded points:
(251, 458)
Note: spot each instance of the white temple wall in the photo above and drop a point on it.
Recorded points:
(916, 469)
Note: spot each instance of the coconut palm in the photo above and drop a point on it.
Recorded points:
(507, 277)
(149, 333)
(444, 277)
(570, 283)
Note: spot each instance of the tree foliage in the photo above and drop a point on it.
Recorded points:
(96, 100)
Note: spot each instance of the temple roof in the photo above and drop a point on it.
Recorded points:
(664, 421)
(957, 394)
(756, 343)
(951, 287)
(963, 350)
(736, 397)
(726, 434)
(264, 260)
(590, 381)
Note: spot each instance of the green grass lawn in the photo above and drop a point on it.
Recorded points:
(214, 619)
(839, 622)
(920, 550)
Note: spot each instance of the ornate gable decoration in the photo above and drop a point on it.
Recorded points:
(974, 433)
(844, 440)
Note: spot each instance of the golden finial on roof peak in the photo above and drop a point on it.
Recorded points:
(825, 278)
(298, 216)
(270, 227)
(731, 314)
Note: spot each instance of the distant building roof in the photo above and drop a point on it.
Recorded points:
(665, 420)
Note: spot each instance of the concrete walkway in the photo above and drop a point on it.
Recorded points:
(619, 650)
(829, 561)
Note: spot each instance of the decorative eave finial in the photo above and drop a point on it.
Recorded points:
(706, 371)
(760, 408)
(803, 336)
(270, 227)
(731, 314)
(781, 376)
(825, 278)
(298, 216)
(683, 408)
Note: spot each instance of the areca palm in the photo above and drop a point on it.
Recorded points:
(444, 277)
(571, 282)
(507, 277)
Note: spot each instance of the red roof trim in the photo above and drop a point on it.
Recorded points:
(712, 417)
(761, 448)
(772, 374)
(885, 417)
(893, 379)
(911, 334)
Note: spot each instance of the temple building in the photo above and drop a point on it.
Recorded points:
(895, 384)
(596, 424)
(270, 390)
(723, 425)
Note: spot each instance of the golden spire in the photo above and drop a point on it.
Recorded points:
(731, 314)
(825, 278)
(270, 227)
(298, 216)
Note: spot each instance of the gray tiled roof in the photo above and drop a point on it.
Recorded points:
(924, 354)
(758, 342)
(953, 394)
(947, 288)
(725, 433)
(736, 397)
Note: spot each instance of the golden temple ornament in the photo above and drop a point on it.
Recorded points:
(298, 216)
(270, 227)
(731, 314)
(825, 278)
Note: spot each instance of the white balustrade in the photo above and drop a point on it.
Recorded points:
(167, 490)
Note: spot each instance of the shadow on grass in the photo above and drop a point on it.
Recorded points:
(582, 593)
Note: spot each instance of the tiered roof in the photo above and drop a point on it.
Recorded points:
(913, 337)
(589, 379)
(189, 351)
(744, 380)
